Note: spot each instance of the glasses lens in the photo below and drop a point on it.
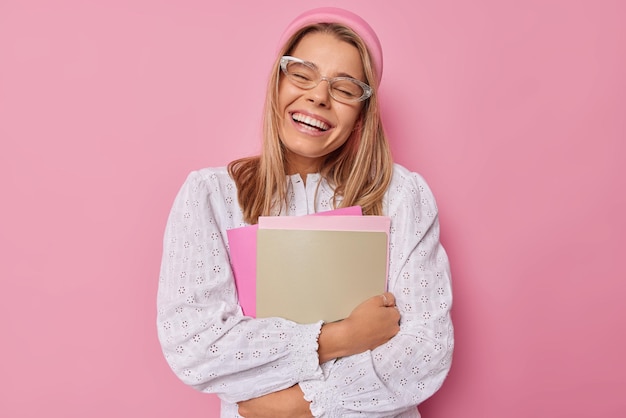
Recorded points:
(302, 75)
(305, 76)
(346, 89)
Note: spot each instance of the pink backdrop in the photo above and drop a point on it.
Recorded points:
(514, 111)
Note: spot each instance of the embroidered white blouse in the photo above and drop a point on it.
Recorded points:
(213, 347)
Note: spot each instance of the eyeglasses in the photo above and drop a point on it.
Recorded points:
(304, 74)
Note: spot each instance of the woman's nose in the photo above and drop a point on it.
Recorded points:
(320, 94)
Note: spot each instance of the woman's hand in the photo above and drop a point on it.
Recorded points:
(287, 403)
(372, 323)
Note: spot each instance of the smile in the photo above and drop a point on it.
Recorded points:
(310, 122)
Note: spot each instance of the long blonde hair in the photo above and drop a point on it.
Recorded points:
(360, 170)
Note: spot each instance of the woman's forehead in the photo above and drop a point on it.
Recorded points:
(331, 55)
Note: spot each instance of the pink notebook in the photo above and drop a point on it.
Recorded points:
(242, 243)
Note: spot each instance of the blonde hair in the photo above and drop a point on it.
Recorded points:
(360, 170)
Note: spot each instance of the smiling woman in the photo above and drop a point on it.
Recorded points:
(313, 123)
(323, 148)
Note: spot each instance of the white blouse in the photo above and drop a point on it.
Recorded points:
(213, 347)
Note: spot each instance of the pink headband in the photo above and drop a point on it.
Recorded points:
(344, 17)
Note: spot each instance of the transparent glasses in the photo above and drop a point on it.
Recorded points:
(304, 75)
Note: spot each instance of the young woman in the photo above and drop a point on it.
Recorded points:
(323, 148)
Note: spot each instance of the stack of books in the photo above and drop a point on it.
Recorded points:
(310, 268)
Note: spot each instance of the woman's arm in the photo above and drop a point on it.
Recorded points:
(370, 324)
(410, 367)
(206, 340)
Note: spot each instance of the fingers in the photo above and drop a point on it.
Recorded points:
(388, 299)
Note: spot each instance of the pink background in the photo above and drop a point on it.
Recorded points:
(514, 111)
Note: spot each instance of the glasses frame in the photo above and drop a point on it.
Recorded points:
(367, 90)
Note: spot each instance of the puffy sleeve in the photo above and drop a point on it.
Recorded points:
(395, 377)
(205, 338)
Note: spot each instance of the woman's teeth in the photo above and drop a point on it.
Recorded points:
(307, 120)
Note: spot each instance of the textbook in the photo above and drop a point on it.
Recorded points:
(310, 268)
(307, 275)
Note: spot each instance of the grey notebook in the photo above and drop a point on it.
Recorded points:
(312, 275)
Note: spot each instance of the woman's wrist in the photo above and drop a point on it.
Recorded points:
(332, 342)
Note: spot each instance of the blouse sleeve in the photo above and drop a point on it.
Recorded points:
(412, 366)
(205, 338)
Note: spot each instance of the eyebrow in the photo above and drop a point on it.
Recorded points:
(338, 75)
